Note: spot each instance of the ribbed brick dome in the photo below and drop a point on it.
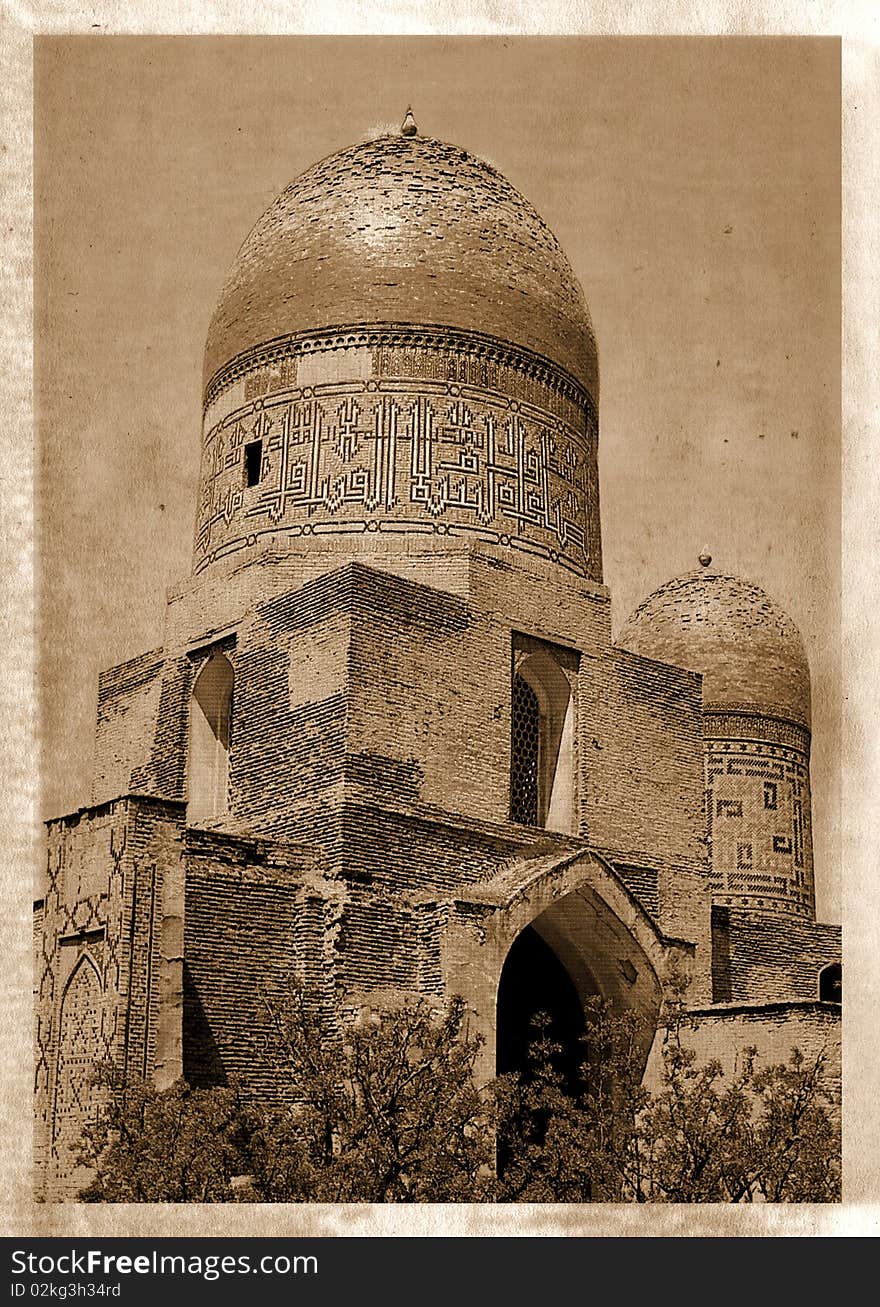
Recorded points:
(404, 230)
(749, 651)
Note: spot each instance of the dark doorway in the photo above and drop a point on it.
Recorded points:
(831, 983)
(533, 980)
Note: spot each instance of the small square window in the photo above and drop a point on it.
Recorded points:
(781, 844)
(253, 462)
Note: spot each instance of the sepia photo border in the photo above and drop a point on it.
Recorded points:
(860, 1212)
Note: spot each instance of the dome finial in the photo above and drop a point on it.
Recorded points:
(408, 126)
(705, 558)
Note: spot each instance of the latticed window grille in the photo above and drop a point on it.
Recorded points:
(525, 741)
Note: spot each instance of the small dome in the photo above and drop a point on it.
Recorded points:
(404, 230)
(749, 651)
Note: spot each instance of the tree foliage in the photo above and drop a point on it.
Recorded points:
(384, 1107)
(177, 1145)
(765, 1134)
(556, 1145)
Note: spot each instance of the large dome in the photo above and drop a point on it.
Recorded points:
(404, 230)
(749, 651)
(401, 360)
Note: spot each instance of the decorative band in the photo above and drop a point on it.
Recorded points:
(308, 531)
(723, 720)
(399, 335)
(766, 903)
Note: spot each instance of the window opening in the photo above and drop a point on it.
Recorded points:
(253, 462)
(542, 770)
(210, 728)
(525, 743)
(831, 984)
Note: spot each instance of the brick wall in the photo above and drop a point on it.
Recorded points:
(258, 914)
(128, 708)
(290, 710)
(762, 957)
(430, 689)
(641, 766)
(773, 1028)
(141, 738)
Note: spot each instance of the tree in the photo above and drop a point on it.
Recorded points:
(560, 1145)
(178, 1145)
(766, 1134)
(382, 1109)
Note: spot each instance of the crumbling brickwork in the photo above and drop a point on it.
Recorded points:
(258, 915)
(128, 710)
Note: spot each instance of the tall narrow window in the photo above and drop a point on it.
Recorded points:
(542, 773)
(210, 722)
(524, 753)
(253, 463)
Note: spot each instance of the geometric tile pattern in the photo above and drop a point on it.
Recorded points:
(758, 808)
(79, 1048)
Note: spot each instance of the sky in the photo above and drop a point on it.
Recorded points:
(694, 184)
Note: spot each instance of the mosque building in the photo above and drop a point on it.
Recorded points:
(388, 745)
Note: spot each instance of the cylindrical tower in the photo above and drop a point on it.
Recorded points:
(756, 703)
(401, 355)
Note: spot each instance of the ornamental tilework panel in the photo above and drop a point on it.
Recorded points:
(758, 806)
(400, 456)
(80, 1046)
(95, 964)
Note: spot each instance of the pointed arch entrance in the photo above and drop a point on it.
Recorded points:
(586, 937)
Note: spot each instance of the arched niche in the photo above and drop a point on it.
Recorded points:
(605, 942)
(209, 741)
(542, 770)
(78, 1050)
(831, 983)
